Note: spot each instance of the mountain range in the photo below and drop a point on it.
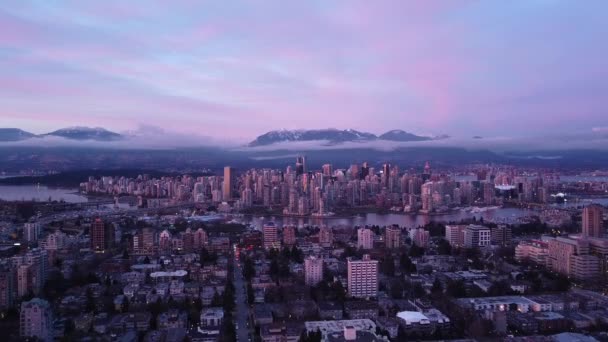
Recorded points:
(334, 136)
(72, 133)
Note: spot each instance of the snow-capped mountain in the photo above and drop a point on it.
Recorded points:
(14, 134)
(401, 135)
(86, 133)
(334, 136)
(331, 134)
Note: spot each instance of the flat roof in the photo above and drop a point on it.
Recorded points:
(411, 317)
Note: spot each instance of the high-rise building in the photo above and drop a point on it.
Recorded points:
(386, 172)
(593, 221)
(501, 235)
(301, 165)
(328, 170)
(326, 237)
(165, 243)
(364, 170)
(7, 287)
(365, 238)
(102, 235)
(31, 231)
(392, 237)
(477, 236)
(420, 237)
(200, 239)
(313, 270)
(36, 320)
(271, 239)
(455, 235)
(363, 277)
(229, 183)
(289, 236)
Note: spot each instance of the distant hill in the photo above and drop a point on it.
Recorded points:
(14, 134)
(86, 133)
(329, 134)
(400, 135)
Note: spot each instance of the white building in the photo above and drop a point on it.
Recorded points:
(477, 236)
(363, 277)
(313, 270)
(365, 238)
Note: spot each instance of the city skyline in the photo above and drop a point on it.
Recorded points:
(459, 68)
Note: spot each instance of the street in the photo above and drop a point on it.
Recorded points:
(242, 307)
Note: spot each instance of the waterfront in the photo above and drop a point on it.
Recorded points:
(508, 215)
(40, 193)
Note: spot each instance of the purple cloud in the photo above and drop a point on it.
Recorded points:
(237, 69)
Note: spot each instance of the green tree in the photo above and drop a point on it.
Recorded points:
(387, 266)
(405, 263)
(437, 288)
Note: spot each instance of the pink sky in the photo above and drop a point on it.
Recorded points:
(240, 68)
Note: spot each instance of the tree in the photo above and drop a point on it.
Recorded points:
(90, 301)
(315, 336)
(387, 265)
(296, 255)
(416, 251)
(248, 269)
(406, 265)
(396, 289)
(456, 289)
(437, 288)
(444, 247)
(250, 294)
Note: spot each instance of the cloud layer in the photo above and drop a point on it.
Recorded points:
(235, 69)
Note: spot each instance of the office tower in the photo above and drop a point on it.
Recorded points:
(427, 197)
(102, 235)
(313, 270)
(326, 237)
(363, 277)
(247, 198)
(427, 168)
(392, 237)
(31, 231)
(200, 239)
(488, 193)
(289, 236)
(365, 238)
(36, 320)
(188, 240)
(386, 172)
(300, 165)
(271, 239)
(501, 235)
(354, 171)
(364, 170)
(593, 221)
(229, 183)
(476, 236)
(420, 237)
(328, 170)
